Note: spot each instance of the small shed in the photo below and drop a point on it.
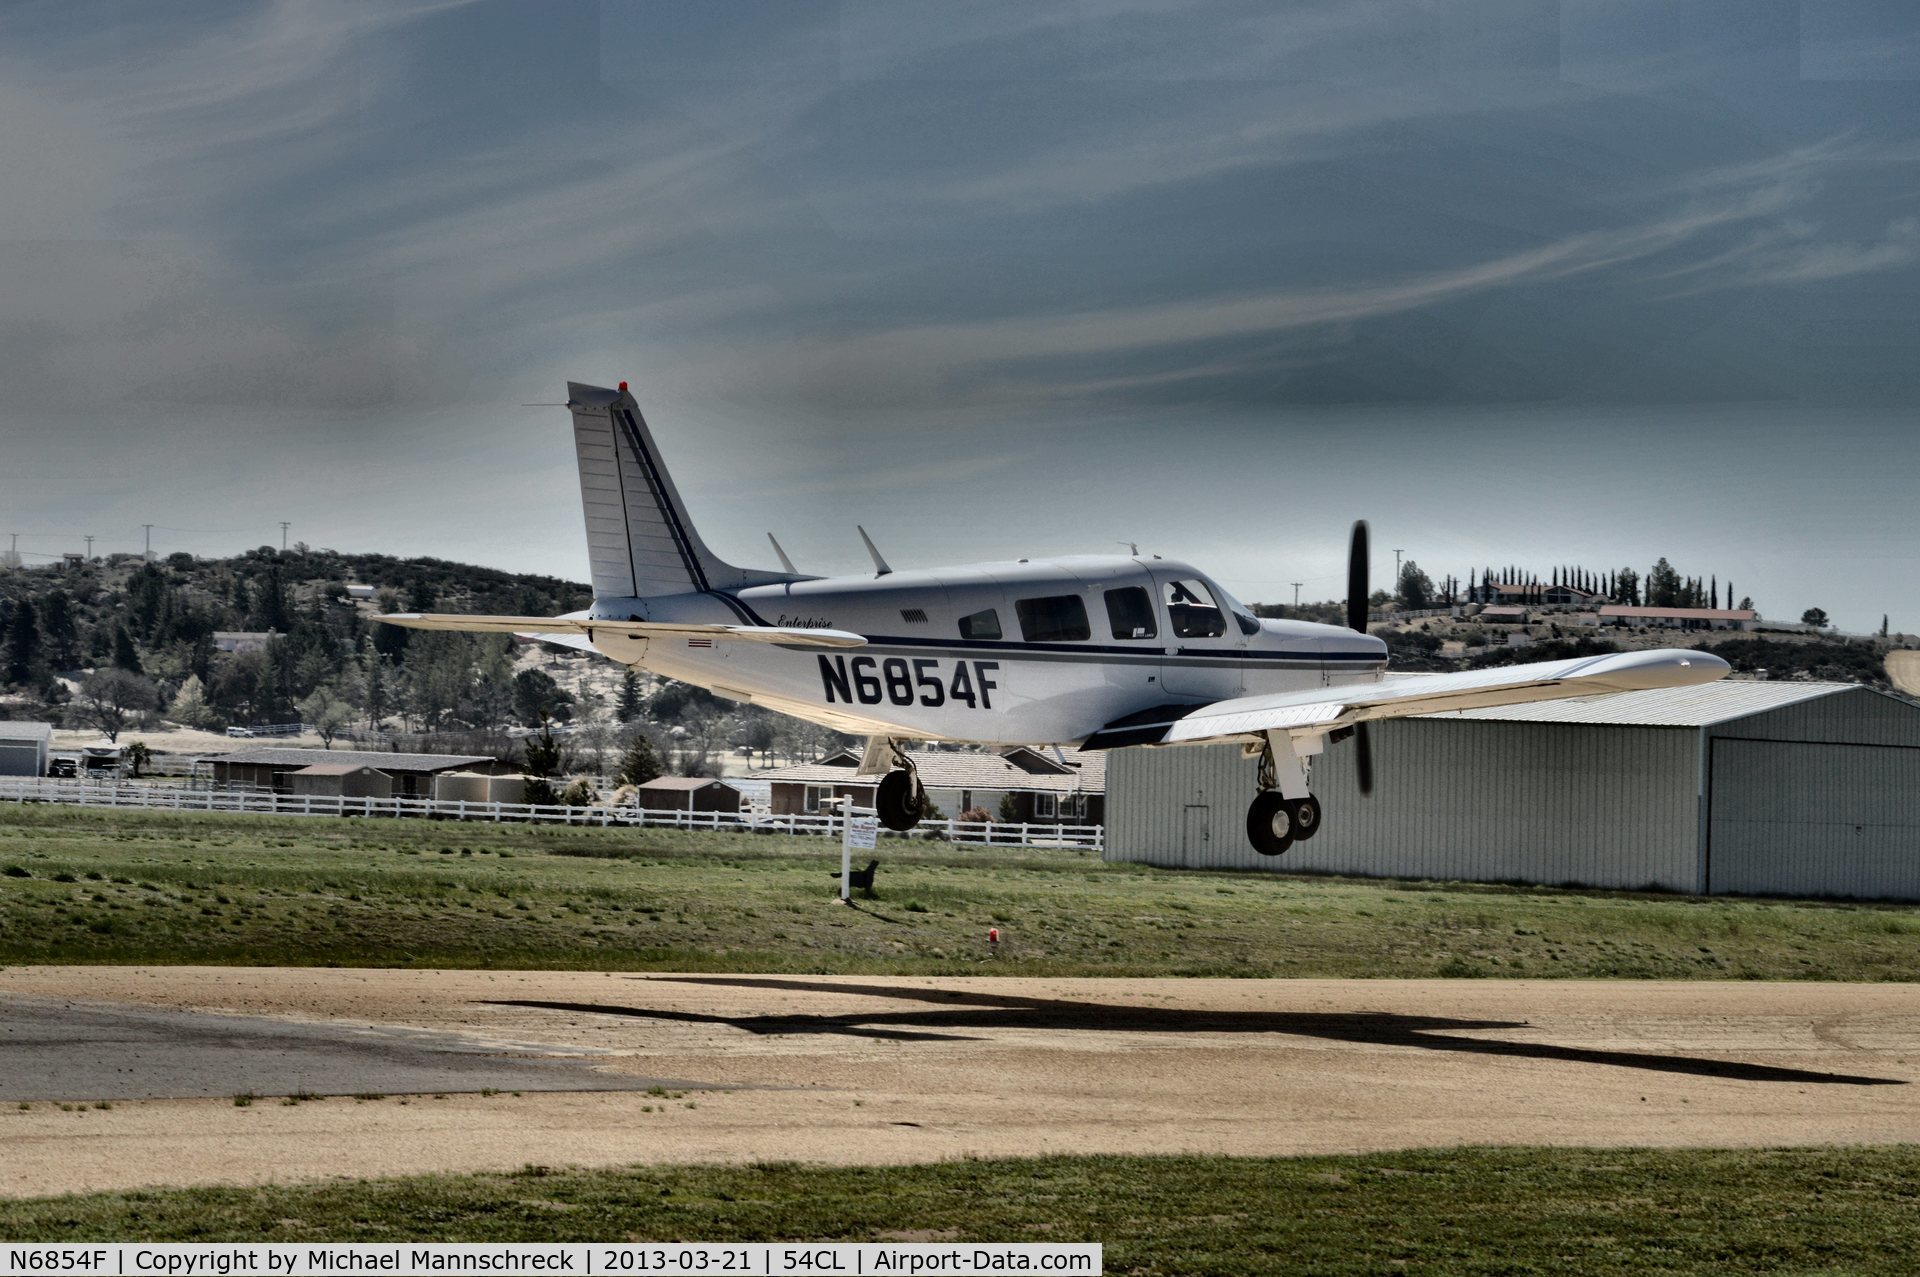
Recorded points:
(340, 780)
(24, 748)
(688, 793)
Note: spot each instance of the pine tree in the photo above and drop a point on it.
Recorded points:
(629, 706)
(1663, 585)
(542, 766)
(639, 764)
(376, 689)
(57, 626)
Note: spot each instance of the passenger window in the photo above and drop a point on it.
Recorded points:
(981, 625)
(1130, 612)
(1061, 618)
(1192, 612)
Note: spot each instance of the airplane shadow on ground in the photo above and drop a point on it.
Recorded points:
(945, 1014)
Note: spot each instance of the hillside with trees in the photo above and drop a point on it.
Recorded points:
(120, 643)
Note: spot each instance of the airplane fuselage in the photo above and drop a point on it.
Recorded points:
(1043, 651)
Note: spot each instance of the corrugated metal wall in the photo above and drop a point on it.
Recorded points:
(1487, 801)
(1857, 716)
(1815, 819)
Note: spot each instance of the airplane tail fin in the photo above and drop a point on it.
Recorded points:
(639, 539)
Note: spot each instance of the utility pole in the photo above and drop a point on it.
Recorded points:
(1396, 568)
(284, 525)
(149, 550)
(89, 541)
(1296, 593)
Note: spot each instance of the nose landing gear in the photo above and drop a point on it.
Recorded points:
(1283, 812)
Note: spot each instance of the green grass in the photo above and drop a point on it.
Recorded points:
(100, 886)
(1594, 1212)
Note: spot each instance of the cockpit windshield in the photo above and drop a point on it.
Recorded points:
(1242, 614)
(1191, 611)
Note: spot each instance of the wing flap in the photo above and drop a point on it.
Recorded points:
(548, 627)
(1439, 693)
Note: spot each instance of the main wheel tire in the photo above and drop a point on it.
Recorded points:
(1270, 824)
(1306, 818)
(897, 801)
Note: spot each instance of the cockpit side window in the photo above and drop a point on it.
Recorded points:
(1059, 618)
(1130, 612)
(1191, 610)
(981, 625)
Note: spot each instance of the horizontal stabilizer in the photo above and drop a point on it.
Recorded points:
(544, 627)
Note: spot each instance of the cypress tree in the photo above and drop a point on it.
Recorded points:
(125, 656)
(23, 643)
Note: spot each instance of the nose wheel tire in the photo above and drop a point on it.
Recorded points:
(1270, 823)
(899, 801)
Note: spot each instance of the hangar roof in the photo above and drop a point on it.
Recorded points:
(1699, 706)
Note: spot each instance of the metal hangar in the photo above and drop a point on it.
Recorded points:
(1774, 788)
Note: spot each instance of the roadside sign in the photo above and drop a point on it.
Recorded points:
(862, 832)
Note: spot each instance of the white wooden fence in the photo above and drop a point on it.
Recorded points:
(172, 797)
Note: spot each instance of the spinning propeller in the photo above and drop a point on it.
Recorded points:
(1357, 620)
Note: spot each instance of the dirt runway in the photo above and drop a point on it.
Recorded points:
(869, 1070)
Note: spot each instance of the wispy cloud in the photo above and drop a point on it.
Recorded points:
(1008, 354)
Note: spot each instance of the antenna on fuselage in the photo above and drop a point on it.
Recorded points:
(785, 562)
(1133, 547)
(880, 567)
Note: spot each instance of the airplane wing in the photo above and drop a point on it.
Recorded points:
(556, 629)
(1328, 708)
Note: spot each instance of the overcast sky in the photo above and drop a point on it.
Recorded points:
(1590, 281)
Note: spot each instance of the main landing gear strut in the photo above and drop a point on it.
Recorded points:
(899, 800)
(1284, 812)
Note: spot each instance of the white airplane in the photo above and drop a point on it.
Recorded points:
(1094, 651)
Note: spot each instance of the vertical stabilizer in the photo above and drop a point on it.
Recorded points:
(639, 539)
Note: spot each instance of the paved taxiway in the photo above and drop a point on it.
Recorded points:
(905, 1069)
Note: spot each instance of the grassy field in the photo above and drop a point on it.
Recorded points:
(1805, 1211)
(95, 885)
